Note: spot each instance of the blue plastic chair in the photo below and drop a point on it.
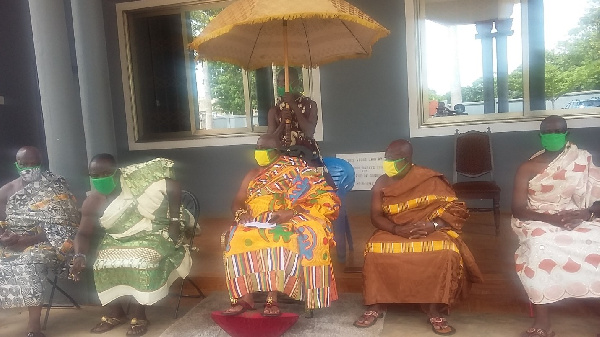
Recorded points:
(343, 176)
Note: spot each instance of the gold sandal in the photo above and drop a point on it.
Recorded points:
(107, 324)
(138, 327)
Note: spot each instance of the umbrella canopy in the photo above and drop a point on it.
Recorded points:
(259, 33)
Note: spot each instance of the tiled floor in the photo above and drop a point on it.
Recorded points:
(496, 308)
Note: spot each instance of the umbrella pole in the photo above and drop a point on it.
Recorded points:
(286, 72)
(285, 57)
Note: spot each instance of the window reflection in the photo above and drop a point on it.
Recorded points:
(475, 52)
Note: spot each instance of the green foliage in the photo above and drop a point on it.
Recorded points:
(574, 66)
(434, 96)
(473, 92)
(225, 80)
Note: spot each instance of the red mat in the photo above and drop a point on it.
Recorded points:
(253, 324)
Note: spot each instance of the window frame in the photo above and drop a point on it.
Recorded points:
(418, 99)
(194, 137)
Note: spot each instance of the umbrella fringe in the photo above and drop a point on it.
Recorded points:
(381, 31)
(237, 63)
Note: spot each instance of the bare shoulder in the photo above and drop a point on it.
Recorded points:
(380, 183)
(253, 173)
(532, 167)
(9, 189)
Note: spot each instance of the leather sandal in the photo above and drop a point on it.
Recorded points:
(370, 317)
(138, 327)
(35, 334)
(440, 323)
(269, 305)
(537, 332)
(107, 324)
(245, 307)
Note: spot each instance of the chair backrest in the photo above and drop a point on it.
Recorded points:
(190, 203)
(473, 154)
(342, 173)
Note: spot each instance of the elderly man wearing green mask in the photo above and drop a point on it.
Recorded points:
(38, 221)
(555, 216)
(416, 254)
(280, 240)
(140, 254)
(294, 119)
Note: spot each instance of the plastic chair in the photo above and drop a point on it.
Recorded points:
(343, 176)
(190, 203)
(473, 158)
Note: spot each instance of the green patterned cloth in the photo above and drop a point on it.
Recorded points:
(136, 257)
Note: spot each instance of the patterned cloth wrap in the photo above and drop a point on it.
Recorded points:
(292, 257)
(136, 256)
(45, 206)
(554, 263)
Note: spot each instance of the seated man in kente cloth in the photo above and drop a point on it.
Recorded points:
(140, 254)
(38, 221)
(291, 257)
(415, 255)
(555, 208)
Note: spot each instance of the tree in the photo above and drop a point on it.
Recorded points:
(473, 92)
(515, 83)
(575, 64)
(225, 80)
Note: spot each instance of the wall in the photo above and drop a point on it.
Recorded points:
(365, 106)
(20, 117)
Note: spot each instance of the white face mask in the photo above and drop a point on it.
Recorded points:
(31, 174)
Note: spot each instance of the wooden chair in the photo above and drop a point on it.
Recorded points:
(473, 159)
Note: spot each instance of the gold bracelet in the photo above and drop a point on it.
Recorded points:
(238, 214)
(3, 224)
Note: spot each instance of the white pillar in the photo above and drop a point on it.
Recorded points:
(65, 140)
(94, 85)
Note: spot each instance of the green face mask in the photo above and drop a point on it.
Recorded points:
(553, 141)
(281, 91)
(104, 185)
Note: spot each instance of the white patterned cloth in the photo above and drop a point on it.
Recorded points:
(554, 263)
(47, 206)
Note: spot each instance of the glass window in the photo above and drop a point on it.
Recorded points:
(499, 60)
(172, 96)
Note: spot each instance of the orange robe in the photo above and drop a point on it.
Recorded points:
(436, 269)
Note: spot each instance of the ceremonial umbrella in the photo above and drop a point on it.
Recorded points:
(259, 33)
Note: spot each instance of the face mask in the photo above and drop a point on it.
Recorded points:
(29, 174)
(281, 91)
(390, 168)
(263, 157)
(104, 185)
(553, 141)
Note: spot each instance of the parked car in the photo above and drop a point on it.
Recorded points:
(586, 103)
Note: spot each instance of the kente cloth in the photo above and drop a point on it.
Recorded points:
(42, 206)
(300, 145)
(136, 256)
(555, 263)
(438, 268)
(292, 257)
